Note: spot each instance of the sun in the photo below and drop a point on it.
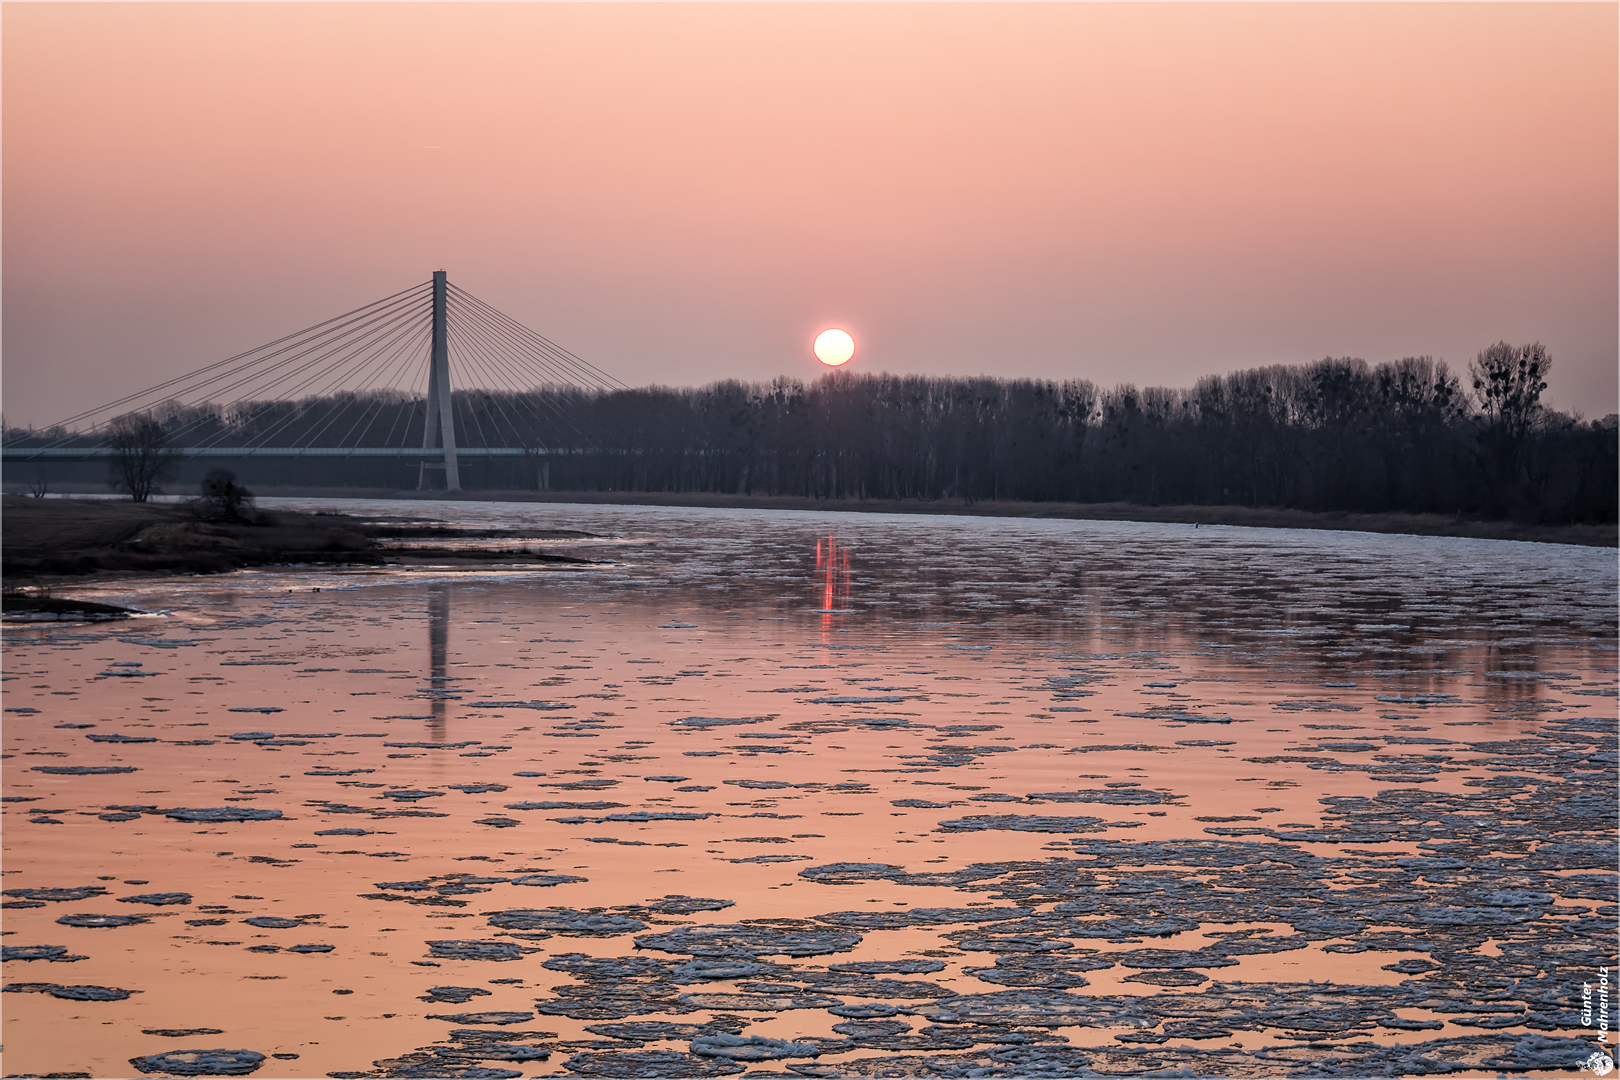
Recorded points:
(834, 347)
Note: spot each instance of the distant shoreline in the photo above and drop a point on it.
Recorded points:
(1254, 517)
(1241, 516)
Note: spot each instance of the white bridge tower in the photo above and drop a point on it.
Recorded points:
(439, 429)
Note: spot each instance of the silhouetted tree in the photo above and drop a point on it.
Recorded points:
(141, 456)
(1507, 381)
(223, 497)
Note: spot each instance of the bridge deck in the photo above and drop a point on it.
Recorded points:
(25, 453)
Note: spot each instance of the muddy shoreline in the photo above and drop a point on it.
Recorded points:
(51, 542)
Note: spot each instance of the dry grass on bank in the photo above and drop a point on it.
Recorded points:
(54, 537)
(63, 541)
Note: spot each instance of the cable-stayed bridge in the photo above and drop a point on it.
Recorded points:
(431, 375)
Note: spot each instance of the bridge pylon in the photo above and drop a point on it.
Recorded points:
(439, 428)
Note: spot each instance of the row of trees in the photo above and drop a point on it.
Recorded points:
(1338, 434)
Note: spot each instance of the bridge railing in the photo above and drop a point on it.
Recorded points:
(82, 453)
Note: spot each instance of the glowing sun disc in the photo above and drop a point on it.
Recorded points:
(834, 348)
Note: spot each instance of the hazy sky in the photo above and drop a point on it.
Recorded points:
(1143, 192)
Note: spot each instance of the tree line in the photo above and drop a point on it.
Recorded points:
(1338, 434)
(1335, 435)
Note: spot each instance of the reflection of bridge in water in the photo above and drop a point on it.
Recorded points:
(438, 648)
(374, 383)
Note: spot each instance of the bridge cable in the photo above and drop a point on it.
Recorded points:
(232, 359)
(461, 348)
(602, 378)
(481, 332)
(259, 407)
(491, 335)
(335, 369)
(250, 412)
(364, 326)
(384, 395)
(358, 393)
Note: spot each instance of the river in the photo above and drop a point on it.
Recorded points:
(850, 795)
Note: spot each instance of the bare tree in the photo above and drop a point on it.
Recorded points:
(1508, 381)
(141, 457)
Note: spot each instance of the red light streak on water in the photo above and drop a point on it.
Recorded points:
(833, 576)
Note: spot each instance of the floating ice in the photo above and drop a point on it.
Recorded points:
(100, 920)
(84, 770)
(88, 993)
(565, 921)
(200, 1062)
(737, 940)
(157, 899)
(475, 950)
(751, 1048)
(485, 1017)
(649, 1065)
(546, 879)
(1024, 823)
(36, 952)
(222, 814)
(455, 995)
(714, 721)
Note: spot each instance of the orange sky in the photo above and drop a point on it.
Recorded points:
(683, 193)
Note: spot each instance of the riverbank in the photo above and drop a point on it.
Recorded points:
(1255, 517)
(43, 607)
(51, 541)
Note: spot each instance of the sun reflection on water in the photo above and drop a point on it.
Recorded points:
(833, 576)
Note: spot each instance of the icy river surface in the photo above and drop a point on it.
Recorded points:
(821, 795)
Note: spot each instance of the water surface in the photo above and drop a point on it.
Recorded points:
(916, 796)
